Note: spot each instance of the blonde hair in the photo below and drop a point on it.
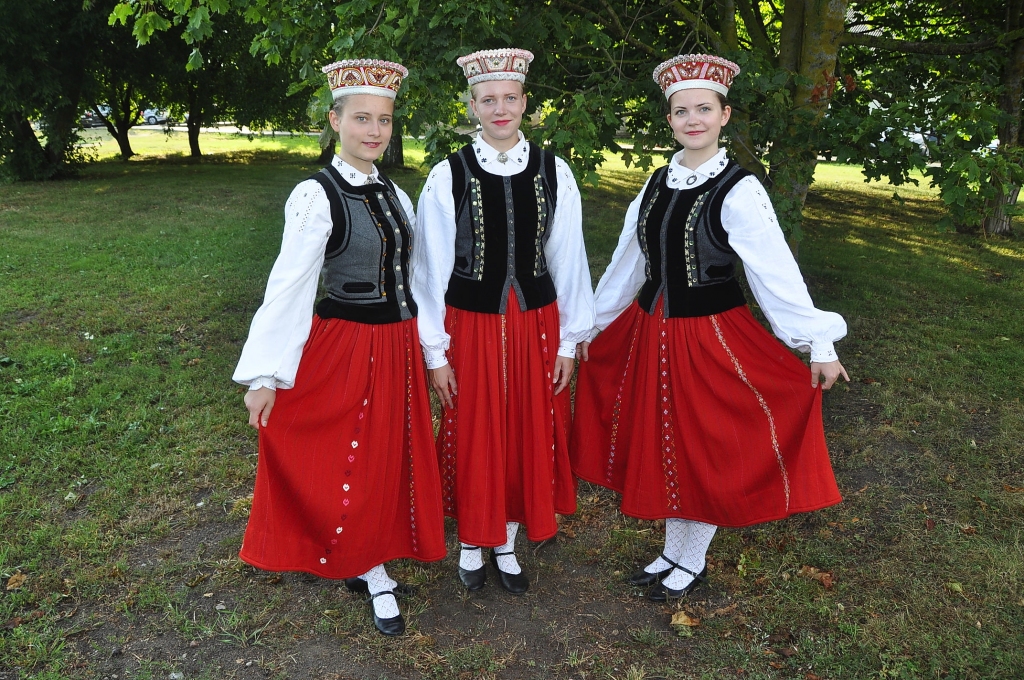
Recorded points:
(472, 88)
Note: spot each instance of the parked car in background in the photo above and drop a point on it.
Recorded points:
(155, 116)
(89, 119)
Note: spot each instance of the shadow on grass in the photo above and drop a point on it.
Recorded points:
(126, 466)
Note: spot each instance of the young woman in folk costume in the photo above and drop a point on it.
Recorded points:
(501, 274)
(684, 403)
(347, 477)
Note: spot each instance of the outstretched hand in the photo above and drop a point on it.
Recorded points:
(829, 372)
(260, 403)
(442, 381)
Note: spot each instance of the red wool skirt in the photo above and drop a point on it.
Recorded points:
(346, 477)
(504, 449)
(707, 418)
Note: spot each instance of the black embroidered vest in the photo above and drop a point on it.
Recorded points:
(687, 253)
(366, 265)
(501, 225)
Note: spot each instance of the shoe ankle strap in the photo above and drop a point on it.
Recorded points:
(381, 593)
(471, 547)
(498, 554)
(696, 576)
(670, 561)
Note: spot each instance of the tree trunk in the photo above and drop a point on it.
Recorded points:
(123, 143)
(394, 155)
(1013, 78)
(792, 35)
(193, 138)
(727, 29)
(997, 221)
(61, 135)
(794, 158)
(194, 122)
(327, 153)
(27, 161)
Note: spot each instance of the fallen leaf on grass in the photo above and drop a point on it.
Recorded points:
(19, 620)
(777, 665)
(955, 587)
(781, 635)
(197, 580)
(968, 529)
(787, 651)
(16, 581)
(193, 362)
(868, 381)
(1013, 489)
(684, 619)
(825, 578)
(812, 676)
(722, 611)
(929, 524)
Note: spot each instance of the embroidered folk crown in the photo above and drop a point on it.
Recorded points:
(692, 71)
(365, 76)
(504, 64)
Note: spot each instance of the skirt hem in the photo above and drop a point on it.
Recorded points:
(707, 520)
(314, 572)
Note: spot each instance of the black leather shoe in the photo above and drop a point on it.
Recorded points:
(390, 627)
(644, 579)
(662, 593)
(517, 584)
(358, 585)
(473, 579)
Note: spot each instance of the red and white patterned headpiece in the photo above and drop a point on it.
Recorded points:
(504, 64)
(693, 71)
(365, 76)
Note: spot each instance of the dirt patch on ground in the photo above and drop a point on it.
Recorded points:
(224, 619)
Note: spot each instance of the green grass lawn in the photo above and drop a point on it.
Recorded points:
(126, 465)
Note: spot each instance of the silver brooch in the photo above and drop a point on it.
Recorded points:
(502, 157)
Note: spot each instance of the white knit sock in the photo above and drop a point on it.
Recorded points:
(378, 581)
(694, 555)
(471, 559)
(508, 563)
(675, 539)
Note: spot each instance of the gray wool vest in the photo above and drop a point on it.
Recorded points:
(366, 263)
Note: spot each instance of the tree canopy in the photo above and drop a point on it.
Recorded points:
(899, 88)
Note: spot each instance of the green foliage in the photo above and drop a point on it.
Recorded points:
(975, 181)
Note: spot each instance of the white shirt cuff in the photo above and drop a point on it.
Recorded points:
(567, 349)
(435, 357)
(823, 352)
(263, 381)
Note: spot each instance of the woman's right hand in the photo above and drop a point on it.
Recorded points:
(260, 402)
(442, 381)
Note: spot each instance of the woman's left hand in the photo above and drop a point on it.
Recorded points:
(563, 371)
(829, 371)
